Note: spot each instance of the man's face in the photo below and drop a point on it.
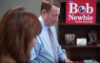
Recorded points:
(52, 16)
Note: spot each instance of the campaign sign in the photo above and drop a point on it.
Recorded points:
(80, 11)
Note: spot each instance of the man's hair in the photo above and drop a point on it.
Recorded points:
(47, 4)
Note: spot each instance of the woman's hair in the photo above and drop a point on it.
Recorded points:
(17, 28)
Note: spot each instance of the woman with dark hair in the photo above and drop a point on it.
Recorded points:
(18, 29)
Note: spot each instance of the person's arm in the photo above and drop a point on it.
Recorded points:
(61, 55)
(67, 61)
(34, 52)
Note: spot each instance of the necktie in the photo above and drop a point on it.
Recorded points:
(53, 45)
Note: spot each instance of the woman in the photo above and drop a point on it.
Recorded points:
(18, 29)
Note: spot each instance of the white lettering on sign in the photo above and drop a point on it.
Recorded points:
(81, 9)
(72, 17)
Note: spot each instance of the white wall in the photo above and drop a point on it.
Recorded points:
(32, 5)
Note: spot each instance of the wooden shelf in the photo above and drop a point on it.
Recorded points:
(75, 46)
(74, 52)
(80, 24)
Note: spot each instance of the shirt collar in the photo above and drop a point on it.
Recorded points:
(43, 23)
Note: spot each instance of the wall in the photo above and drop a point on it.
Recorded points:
(33, 5)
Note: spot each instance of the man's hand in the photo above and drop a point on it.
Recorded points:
(68, 61)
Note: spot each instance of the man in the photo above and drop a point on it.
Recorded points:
(43, 52)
